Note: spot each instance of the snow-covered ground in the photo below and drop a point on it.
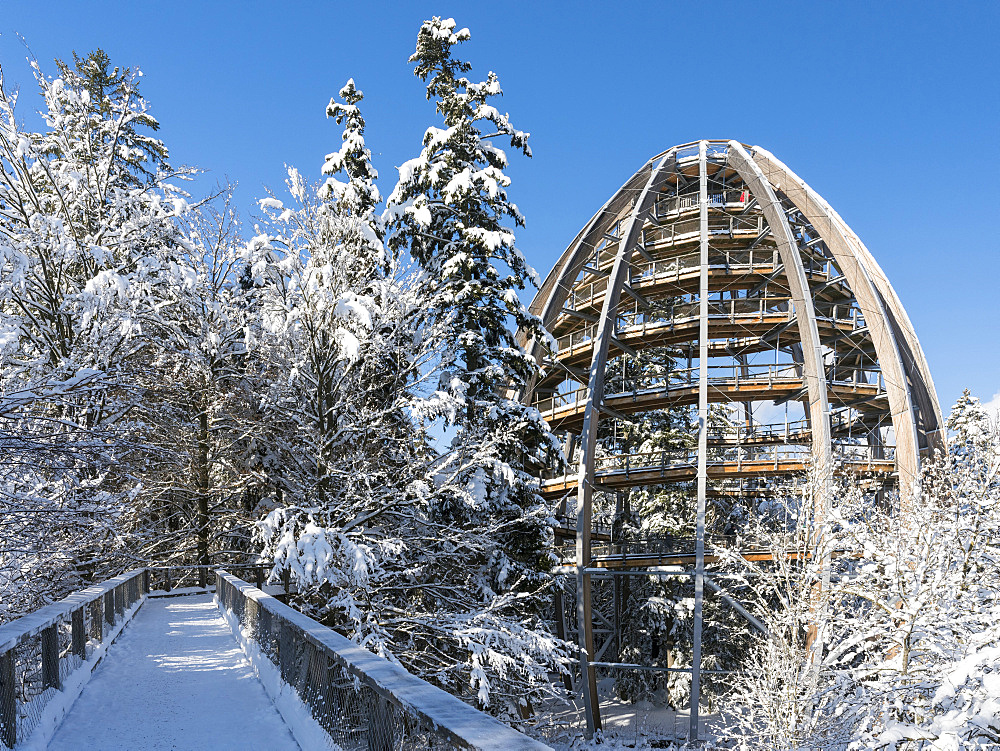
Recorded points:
(175, 679)
(626, 725)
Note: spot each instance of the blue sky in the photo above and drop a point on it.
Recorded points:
(890, 110)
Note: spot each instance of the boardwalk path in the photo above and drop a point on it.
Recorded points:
(175, 679)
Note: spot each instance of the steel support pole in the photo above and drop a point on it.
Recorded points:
(699, 550)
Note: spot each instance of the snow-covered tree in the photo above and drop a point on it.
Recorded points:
(910, 638)
(450, 211)
(203, 482)
(88, 243)
(336, 338)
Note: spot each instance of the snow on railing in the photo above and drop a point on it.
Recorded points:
(43, 655)
(360, 699)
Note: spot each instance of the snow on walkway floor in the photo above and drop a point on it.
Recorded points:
(175, 679)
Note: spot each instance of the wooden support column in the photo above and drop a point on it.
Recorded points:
(50, 657)
(699, 550)
(814, 373)
(588, 441)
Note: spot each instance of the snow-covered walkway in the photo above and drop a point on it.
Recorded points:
(175, 679)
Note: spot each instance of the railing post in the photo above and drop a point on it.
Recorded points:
(167, 585)
(50, 657)
(109, 607)
(120, 600)
(79, 635)
(145, 581)
(8, 700)
(259, 577)
(97, 619)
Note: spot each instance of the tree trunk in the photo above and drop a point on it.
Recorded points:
(203, 488)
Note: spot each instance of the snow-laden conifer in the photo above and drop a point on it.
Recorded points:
(450, 211)
(336, 337)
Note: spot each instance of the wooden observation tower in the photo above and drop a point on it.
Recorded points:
(720, 294)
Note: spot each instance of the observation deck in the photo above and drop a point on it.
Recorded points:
(721, 336)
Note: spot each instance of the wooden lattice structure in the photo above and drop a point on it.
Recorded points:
(766, 302)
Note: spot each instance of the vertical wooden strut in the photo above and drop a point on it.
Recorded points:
(699, 549)
(588, 441)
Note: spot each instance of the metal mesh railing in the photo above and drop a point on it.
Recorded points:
(362, 701)
(164, 578)
(39, 652)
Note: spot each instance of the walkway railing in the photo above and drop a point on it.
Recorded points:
(734, 377)
(169, 578)
(362, 701)
(39, 652)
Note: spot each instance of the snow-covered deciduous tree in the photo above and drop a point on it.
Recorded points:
(911, 636)
(202, 482)
(88, 243)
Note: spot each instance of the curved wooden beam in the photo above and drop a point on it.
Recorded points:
(588, 439)
(551, 296)
(805, 313)
(887, 349)
(921, 385)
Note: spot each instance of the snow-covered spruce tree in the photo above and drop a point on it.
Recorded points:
(483, 580)
(338, 343)
(87, 235)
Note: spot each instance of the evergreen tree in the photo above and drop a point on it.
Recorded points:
(337, 338)
(450, 212)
